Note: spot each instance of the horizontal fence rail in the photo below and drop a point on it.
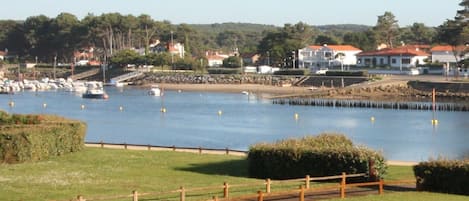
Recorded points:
(223, 192)
(199, 150)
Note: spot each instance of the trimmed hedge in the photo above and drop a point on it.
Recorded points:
(27, 141)
(291, 72)
(322, 155)
(347, 73)
(446, 176)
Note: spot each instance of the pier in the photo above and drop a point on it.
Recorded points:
(373, 104)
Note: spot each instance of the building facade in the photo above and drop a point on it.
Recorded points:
(400, 57)
(316, 57)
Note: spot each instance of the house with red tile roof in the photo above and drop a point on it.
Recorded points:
(316, 56)
(400, 57)
(448, 53)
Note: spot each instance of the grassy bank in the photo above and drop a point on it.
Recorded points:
(98, 172)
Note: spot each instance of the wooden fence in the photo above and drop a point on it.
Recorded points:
(199, 150)
(224, 191)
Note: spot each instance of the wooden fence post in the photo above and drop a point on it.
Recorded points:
(227, 151)
(200, 150)
(381, 187)
(302, 193)
(183, 194)
(215, 198)
(267, 186)
(149, 147)
(135, 195)
(307, 179)
(80, 198)
(125, 145)
(102, 144)
(342, 185)
(260, 196)
(225, 190)
(174, 148)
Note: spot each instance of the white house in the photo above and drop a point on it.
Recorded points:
(327, 56)
(446, 54)
(400, 57)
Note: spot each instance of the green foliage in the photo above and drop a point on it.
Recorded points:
(386, 29)
(447, 176)
(323, 155)
(232, 62)
(224, 71)
(291, 72)
(36, 137)
(347, 73)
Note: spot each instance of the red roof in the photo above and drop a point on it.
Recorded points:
(444, 48)
(215, 57)
(343, 48)
(315, 47)
(394, 52)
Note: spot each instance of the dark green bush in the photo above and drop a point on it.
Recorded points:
(323, 155)
(49, 136)
(224, 71)
(446, 176)
(291, 72)
(347, 73)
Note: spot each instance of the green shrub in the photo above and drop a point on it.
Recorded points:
(291, 72)
(446, 176)
(224, 70)
(323, 155)
(36, 137)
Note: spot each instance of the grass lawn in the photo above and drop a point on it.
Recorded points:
(97, 172)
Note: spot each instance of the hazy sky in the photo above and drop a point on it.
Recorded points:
(275, 12)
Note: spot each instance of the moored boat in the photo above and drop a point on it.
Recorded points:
(94, 90)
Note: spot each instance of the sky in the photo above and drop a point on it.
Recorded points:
(271, 12)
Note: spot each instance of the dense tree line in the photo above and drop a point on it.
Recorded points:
(43, 38)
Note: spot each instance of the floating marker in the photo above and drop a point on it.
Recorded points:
(82, 107)
(296, 116)
(434, 121)
(44, 105)
(11, 104)
(372, 118)
(220, 112)
(163, 110)
(121, 108)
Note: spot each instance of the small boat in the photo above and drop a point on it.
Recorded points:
(94, 90)
(155, 91)
(245, 92)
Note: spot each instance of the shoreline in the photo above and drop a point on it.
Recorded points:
(234, 88)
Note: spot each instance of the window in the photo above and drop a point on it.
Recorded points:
(381, 61)
(405, 61)
(393, 61)
(367, 61)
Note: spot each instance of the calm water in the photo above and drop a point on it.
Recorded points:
(192, 120)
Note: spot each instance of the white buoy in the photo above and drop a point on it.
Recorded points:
(163, 110)
(220, 112)
(11, 104)
(121, 108)
(296, 116)
(372, 118)
(434, 121)
(82, 106)
(44, 105)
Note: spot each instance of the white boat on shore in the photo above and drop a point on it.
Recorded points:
(155, 91)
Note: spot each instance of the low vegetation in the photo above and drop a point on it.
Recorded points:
(36, 137)
(446, 176)
(322, 155)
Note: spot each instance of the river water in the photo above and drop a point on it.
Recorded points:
(236, 121)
